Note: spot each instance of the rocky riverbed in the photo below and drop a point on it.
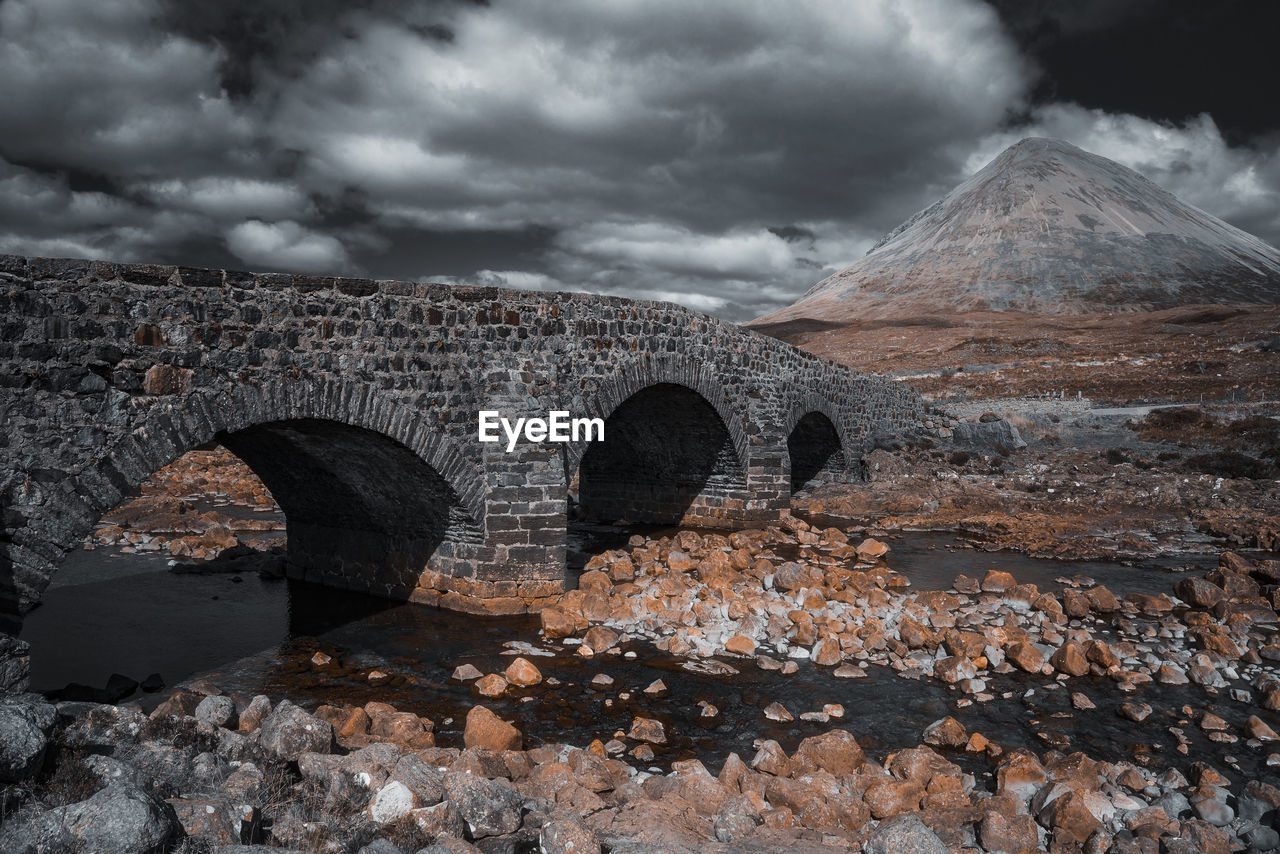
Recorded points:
(1084, 485)
(210, 768)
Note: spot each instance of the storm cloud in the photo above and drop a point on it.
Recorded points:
(725, 155)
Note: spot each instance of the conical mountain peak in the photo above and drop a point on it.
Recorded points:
(1049, 228)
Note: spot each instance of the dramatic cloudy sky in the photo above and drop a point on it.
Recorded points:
(726, 155)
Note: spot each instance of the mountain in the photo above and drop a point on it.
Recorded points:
(1047, 228)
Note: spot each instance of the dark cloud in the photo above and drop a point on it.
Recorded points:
(1162, 60)
(725, 155)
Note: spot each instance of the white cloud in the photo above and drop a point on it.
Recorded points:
(286, 246)
(230, 198)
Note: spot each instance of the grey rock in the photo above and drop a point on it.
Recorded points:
(999, 436)
(1261, 838)
(423, 779)
(105, 727)
(25, 721)
(120, 819)
(15, 664)
(381, 846)
(217, 710)
(567, 837)
(904, 835)
(488, 807)
(290, 731)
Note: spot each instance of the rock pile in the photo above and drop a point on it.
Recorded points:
(241, 771)
(839, 605)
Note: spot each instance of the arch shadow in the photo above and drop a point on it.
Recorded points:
(814, 450)
(666, 455)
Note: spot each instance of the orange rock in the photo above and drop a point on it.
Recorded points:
(594, 581)
(522, 673)
(601, 638)
(996, 581)
(826, 652)
(492, 685)
(836, 752)
(1069, 814)
(487, 730)
(1070, 659)
(558, 623)
(648, 729)
(356, 722)
(1025, 656)
(740, 645)
(887, 798)
(947, 732)
(872, 549)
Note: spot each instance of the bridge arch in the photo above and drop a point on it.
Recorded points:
(667, 457)
(370, 492)
(609, 392)
(815, 441)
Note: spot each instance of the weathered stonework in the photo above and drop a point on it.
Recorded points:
(356, 402)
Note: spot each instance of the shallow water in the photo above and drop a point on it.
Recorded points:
(130, 614)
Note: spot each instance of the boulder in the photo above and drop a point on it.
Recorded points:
(565, 836)
(1070, 659)
(648, 729)
(872, 549)
(947, 732)
(522, 673)
(1008, 833)
(290, 731)
(419, 776)
(996, 581)
(492, 685)
(489, 807)
(954, 669)
(836, 752)
(1199, 593)
(904, 835)
(889, 798)
(120, 819)
(258, 710)
(601, 638)
(987, 437)
(391, 803)
(1025, 656)
(217, 710)
(25, 722)
(558, 622)
(1069, 814)
(212, 819)
(487, 730)
(466, 672)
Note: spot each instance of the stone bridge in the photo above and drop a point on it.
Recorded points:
(356, 402)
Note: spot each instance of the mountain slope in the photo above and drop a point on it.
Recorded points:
(1047, 228)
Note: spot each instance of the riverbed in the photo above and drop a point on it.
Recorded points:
(134, 614)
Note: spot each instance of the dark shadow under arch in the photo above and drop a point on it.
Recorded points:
(666, 453)
(815, 450)
(363, 511)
